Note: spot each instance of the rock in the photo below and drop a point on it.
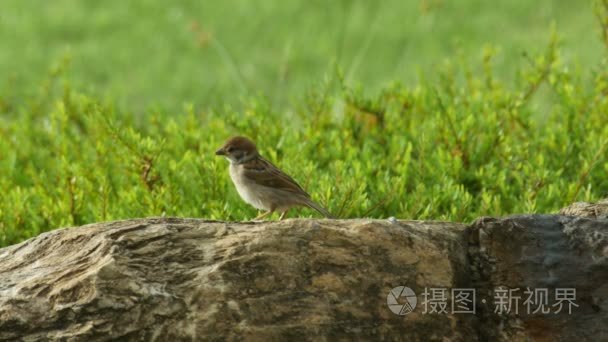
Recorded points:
(595, 210)
(194, 279)
(188, 279)
(538, 252)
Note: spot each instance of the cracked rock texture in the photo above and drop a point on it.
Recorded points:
(595, 210)
(188, 279)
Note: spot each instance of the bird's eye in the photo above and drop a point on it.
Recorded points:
(229, 149)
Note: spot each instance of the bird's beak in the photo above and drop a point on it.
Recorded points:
(220, 152)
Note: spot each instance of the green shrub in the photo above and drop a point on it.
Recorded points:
(464, 146)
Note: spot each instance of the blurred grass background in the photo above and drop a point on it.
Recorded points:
(419, 109)
(142, 54)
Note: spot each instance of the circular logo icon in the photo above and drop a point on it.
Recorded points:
(401, 300)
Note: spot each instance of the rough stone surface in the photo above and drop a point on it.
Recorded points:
(193, 279)
(187, 279)
(530, 252)
(585, 209)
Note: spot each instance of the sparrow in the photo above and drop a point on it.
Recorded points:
(260, 183)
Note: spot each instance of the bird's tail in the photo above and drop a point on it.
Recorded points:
(320, 209)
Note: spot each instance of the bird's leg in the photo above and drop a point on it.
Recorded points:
(262, 215)
(283, 214)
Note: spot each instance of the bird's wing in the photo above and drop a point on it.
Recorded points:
(262, 172)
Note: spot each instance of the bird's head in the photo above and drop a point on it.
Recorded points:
(238, 150)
